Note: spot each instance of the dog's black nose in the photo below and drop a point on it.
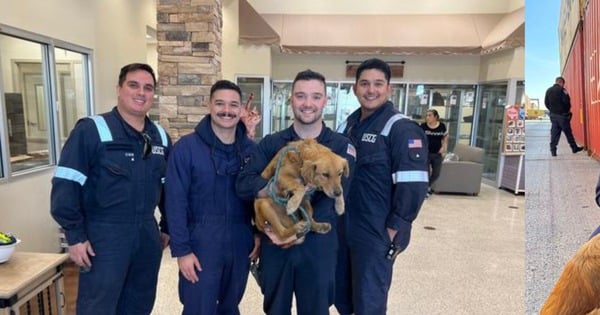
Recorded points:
(337, 193)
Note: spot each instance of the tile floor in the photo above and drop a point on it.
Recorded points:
(466, 257)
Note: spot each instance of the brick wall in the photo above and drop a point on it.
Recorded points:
(189, 34)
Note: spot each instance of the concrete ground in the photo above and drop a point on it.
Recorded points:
(561, 210)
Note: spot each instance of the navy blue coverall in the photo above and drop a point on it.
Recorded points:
(388, 188)
(105, 190)
(558, 102)
(308, 269)
(207, 218)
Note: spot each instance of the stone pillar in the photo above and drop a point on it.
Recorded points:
(189, 34)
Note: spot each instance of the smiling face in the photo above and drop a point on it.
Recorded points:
(372, 90)
(136, 93)
(308, 100)
(225, 108)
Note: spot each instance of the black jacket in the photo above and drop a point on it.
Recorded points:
(557, 100)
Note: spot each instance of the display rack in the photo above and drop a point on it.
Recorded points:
(512, 159)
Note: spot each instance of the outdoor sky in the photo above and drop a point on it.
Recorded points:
(541, 47)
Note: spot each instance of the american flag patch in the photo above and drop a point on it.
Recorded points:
(415, 143)
(351, 150)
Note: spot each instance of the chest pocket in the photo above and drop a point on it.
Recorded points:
(113, 180)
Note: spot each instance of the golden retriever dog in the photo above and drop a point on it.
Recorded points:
(577, 290)
(305, 164)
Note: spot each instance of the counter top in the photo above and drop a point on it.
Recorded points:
(23, 268)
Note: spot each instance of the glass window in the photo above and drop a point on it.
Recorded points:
(71, 74)
(37, 117)
(26, 102)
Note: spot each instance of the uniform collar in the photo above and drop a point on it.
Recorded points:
(130, 131)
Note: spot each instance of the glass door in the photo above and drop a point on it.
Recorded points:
(257, 86)
(489, 125)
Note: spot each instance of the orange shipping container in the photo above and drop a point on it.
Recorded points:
(591, 77)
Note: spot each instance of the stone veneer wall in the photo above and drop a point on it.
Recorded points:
(189, 34)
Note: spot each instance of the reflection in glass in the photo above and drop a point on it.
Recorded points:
(26, 105)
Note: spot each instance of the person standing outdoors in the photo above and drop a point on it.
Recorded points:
(437, 136)
(105, 190)
(306, 270)
(388, 186)
(211, 230)
(558, 102)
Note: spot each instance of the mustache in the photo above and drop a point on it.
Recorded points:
(226, 114)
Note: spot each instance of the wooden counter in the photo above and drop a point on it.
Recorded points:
(28, 275)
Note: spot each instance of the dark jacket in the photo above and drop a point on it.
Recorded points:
(557, 100)
(200, 186)
(390, 178)
(103, 176)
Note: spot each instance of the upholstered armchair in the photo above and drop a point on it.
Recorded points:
(462, 175)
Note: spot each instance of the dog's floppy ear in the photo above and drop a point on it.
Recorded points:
(308, 171)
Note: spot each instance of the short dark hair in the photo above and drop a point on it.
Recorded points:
(307, 75)
(135, 67)
(225, 85)
(374, 63)
(559, 79)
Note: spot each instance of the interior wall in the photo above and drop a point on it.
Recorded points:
(120, 34)
(503, 65)
(115, 31)
(248, 60)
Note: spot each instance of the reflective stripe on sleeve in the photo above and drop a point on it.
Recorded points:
(70, 174)
(163, 134)
(410, 177)
(103, 130)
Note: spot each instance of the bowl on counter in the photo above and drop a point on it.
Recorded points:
(7, 250)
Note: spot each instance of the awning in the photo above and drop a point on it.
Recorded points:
(508, 33)
(448, 34)
(253, 30)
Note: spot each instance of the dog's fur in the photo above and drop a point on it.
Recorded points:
(306, 163)
(577, 291)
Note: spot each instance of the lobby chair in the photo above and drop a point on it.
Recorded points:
(462, 175)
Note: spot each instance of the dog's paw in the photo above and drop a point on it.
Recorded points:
(321, 227)
(339, 206)
(292, 205)
(300, 227)
(299, 241)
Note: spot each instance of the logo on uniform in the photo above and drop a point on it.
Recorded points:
(415, 143)
(369, 137)
(158, 150)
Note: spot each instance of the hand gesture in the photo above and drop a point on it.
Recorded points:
(250, 117)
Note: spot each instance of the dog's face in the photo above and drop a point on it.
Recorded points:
(325, 172)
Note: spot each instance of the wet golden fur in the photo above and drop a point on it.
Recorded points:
(577, 290)
(309, 165)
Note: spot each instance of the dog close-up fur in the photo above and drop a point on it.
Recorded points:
(577, 290)
(300, 166)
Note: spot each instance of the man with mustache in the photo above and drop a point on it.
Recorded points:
(212, 235)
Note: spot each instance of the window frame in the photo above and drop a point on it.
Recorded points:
(49, 77)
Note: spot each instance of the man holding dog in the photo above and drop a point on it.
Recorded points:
(306, 270)
(212, 235)
(388, 188)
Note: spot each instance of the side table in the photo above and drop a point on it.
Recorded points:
(32, 283)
